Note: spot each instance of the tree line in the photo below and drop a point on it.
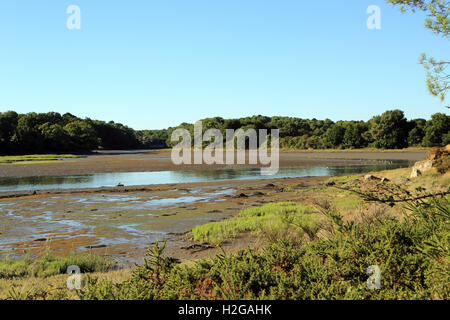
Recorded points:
(53, 132)
(391, 130)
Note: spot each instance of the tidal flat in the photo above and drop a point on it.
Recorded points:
(122, 222)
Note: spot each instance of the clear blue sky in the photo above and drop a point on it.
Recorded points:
(154, 64)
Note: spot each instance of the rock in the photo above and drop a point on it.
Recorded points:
(385, 180)
(242, 195)
(415, 173)
(370, 177)
(424, 165)
(258, 194)
(330, 183)
(447, 148)
(437, 153)
(96, 247)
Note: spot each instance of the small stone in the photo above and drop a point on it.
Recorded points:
(401, 180)
(370, 177)
(96, 247)
(242, 195)
(415, 173)
(330, 183)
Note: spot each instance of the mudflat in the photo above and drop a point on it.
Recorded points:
(160, 160)
(122, 222)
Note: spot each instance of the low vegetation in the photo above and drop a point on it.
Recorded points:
(328, 262)
(412, 254)
(271, 219)
(319, 251)
(36, 158)
(48, 265)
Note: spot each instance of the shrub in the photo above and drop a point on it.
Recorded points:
(412, 254)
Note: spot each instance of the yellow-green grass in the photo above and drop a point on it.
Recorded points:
(56, 286)
(271, 217)
(36, 158)
(48, 265)
(368, 150)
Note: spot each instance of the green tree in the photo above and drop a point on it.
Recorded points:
(82, 136)
(390, 130)
(437, 130)
(354, 136)
(28, 136)
(55, 138)
(334, 136)
(8, 124)
(416, 132)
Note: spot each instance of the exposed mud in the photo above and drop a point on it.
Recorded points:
(160, 160)
(122, 222)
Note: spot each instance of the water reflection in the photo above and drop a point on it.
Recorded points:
(168, 177)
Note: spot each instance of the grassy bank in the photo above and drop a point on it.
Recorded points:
(48, 265)
(36, 158)
(270, 220)
(369, 150)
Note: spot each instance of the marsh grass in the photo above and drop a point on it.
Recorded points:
(273, 218)
(47, 265)
(36, 158)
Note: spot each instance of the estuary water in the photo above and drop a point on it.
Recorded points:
(186, 176)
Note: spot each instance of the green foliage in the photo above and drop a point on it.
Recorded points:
(48, 265)
(153, 138)
(274, 218)
(390, 130)
(51, 132)
(354, 135)
(334, 136)
(416, 132)
(412, 253)
(436, 129)
(442, 164)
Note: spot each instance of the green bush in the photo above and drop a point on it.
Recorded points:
(271, 217)
(412, 254)
(48, 265)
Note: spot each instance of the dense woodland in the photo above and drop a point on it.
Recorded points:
(53, 132)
